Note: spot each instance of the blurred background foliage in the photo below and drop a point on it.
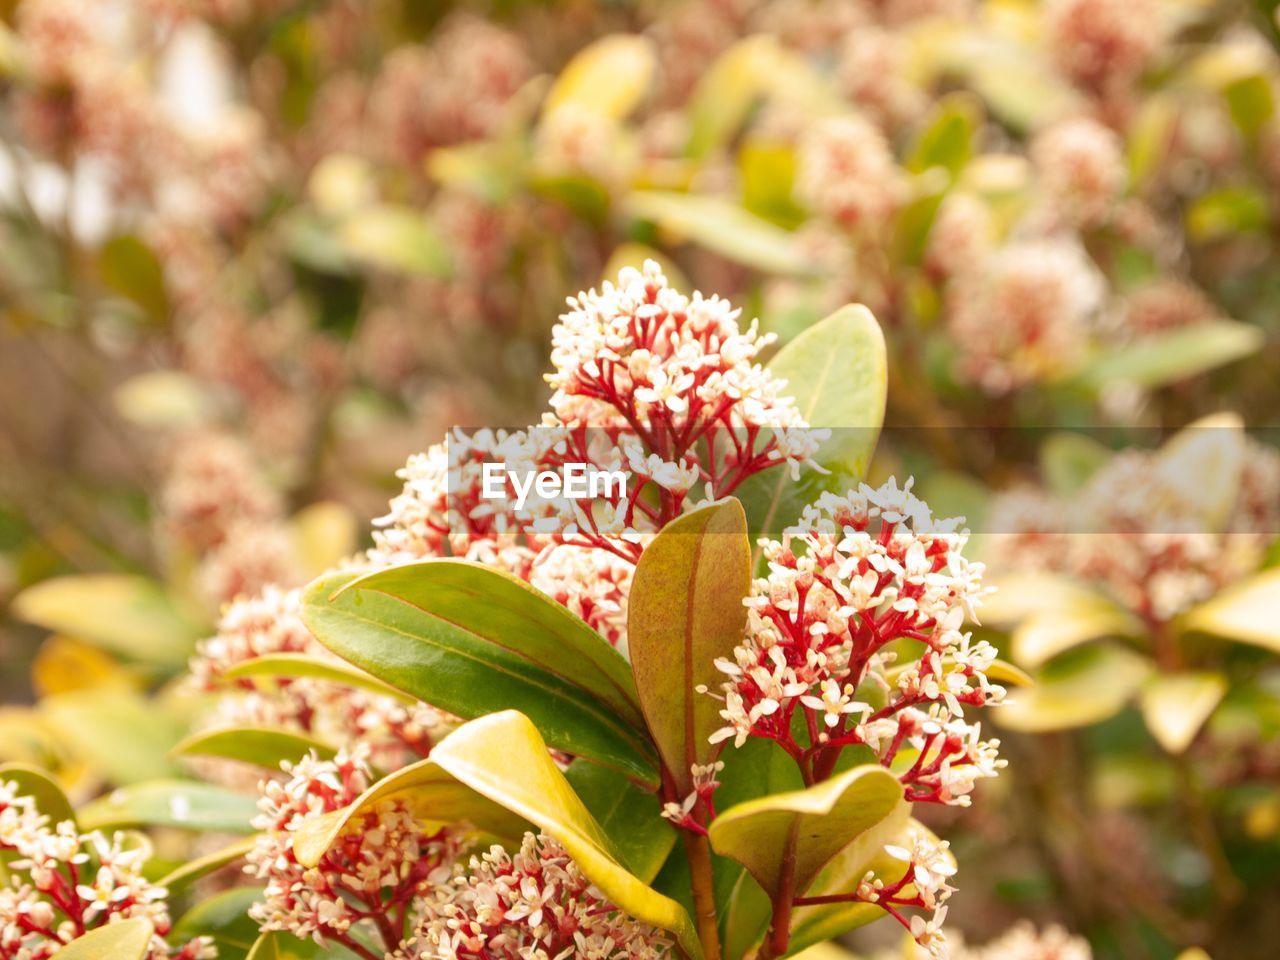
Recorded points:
(254, 254)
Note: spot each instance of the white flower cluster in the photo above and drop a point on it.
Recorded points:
(860, 572)
(60, 884)
(1082, 171)
(534, 904)
(384, 862)
(1149, 540)
(1024, 314)
(639, 352)
(847, 173)
(1024, 942)
(270, 623)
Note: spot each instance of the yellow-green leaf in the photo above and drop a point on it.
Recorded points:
(40, 786)
(324, 534)
(260, 746)
(496, 773)
(1043, 636)
(1248, 611)
(123, 735)
(610, 77)
(1176, 706)
(1204, 461)
(685, 612)
(1093, 686)
(810, 826)
(837, 371)
(129, 615)
(124, 940)
(395, 238)
(724, 227)
(294, 665)
(195, 869)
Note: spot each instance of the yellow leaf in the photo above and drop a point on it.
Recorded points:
(64, 664)
(496, 774)
(610, 77)
(1176, 707)
(1204, 461)
(1094, 617)
(1248, 612)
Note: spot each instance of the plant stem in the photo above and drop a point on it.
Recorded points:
(779, 935)
(698, 851)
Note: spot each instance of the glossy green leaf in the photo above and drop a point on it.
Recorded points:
(1164, 358)
(685, 612)
(609, 77)
(129, 615)
(1090, 686)
(123, 940)
(474, 641)
(1176, 706)
(814, 825)
(193, 870)
(123, 735)
(1248, 611)
(260, 746)
(300, 665)
(225, 919)
(496, 773)
(630, 817)
(171, 803)
(837, 372)
(724, 227)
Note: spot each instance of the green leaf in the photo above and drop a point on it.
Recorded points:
(129, 615)
(1251, 102)
(193, 870)
(123, 940)
(837, 372)
(164, 399)
(171, 803)
(260, 746)
(40, 787)
(496, 774)
(728, 90)
(1086, 688)
(1043, 636)
(130, 268)
(400, 239)
(1068, 460)
(1226, 212)
(1176, 706)
(121, 734)
(285, 946)
(474, 641)
(630, 817)
(724, 227)
(299, 665)
(768, 173)
(224, 917)
(609, 77)
(685, 612)
(325, 534)
(946, 139)
(1173, 356)
(1246, 611)
(811, 825)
